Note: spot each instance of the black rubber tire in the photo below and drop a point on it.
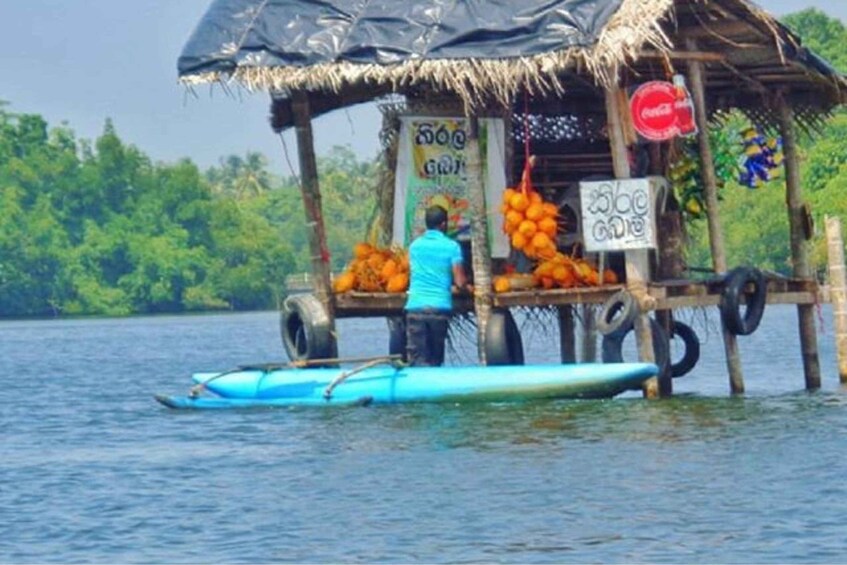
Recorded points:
(503, 344)
(304, 328)
(397, 335)
(612, 347)
(730, 307)
(692, 349)
(618, 314)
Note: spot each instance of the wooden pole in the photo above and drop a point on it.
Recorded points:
(567, 336)
(799, 248)
(637, 261)
(310, 190)
(838, 291)
(589, 334)
(710, 185)
(481, 261)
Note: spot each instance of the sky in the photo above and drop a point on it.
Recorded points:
(80, 62)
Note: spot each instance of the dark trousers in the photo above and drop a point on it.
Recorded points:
(426, 332)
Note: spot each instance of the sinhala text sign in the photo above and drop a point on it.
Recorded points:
(618, 214)
(431, 169)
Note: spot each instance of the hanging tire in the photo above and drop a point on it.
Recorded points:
(503, 344)
(305, 329)
(397, 335)
(613, 346)
(692, 349)
(730, 307)
(618, 314)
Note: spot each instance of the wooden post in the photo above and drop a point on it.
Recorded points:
(589, 334)
(710, 185)
(310, 189)
(637, 261)
(799, 248)
(567, 337)
(479, 235)
(838, 291)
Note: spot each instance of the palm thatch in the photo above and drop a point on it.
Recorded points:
(638, 33)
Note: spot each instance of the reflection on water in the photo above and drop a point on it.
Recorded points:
(96, 471)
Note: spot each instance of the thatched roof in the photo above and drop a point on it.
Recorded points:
(490, 51)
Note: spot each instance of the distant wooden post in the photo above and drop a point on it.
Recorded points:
(589, 334)
(799, 248)
(838, 290)
(710, 185)
(481, 261)
(567, 335)
(310, 189)
(637, 261)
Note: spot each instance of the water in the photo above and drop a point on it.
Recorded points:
(93, 470)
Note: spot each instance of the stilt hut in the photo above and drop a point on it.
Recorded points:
(560, 79)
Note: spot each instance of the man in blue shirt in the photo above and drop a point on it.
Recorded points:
(435, 262)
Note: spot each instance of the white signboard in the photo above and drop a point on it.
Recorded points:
(618, 214)
(431, 170)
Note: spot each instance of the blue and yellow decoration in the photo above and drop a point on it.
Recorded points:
(762, 158)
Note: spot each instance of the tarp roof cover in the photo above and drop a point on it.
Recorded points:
(301, 33)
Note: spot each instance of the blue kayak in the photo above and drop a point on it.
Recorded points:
(386, 384)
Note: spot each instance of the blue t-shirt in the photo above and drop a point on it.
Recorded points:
(431, 260)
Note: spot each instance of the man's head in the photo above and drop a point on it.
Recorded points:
(436, 218)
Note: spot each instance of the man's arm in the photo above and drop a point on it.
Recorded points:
(459, 278)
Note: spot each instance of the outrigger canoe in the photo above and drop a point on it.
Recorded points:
(386, 384)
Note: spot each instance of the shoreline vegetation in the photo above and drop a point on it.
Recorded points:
(94, 229)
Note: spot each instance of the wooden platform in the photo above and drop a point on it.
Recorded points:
(669, 295)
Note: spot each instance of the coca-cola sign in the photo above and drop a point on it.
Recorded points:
(662, 110)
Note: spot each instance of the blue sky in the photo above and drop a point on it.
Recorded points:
(81, 61)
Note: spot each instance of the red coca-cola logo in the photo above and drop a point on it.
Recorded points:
(661, 110)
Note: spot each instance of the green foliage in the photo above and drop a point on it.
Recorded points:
(824, 35)
(96, 228)
(755, 222)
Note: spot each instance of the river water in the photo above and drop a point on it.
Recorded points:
(93, 470)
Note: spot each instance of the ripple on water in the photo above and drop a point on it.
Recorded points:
(96, 471)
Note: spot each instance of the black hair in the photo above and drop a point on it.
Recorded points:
(436, 216)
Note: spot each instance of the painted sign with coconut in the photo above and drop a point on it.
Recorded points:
(431, 170)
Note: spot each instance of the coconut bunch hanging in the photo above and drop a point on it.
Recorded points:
(375, 269)
(531, 223)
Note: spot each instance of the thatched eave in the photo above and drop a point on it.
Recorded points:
(750, 57)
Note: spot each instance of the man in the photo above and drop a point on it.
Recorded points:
(435, 262)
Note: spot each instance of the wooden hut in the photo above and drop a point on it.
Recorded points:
(559, 75)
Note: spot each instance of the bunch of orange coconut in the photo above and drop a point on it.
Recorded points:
(375, 269)
(530, 222)
(532, 226)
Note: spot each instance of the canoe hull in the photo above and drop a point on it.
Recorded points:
(387, 385)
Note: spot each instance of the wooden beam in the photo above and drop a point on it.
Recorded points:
(310, 190)
(799, 248)
(637, 261)
(481, 255)
(838, 292)
(702, 56)
(710, 186)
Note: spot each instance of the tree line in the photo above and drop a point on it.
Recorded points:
(100, 229)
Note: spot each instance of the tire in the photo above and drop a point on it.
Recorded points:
(613, 347)
(503, 344)
(617, 315)
(730, 307)
(305, 330)
(692, 349)
(397, 336)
